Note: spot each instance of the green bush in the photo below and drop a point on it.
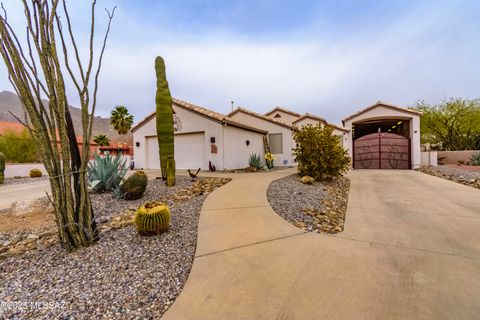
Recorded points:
(319, 154)
(255, 161)
(18, 147)
(475, 159)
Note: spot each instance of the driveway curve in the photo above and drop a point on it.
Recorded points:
(410, 250)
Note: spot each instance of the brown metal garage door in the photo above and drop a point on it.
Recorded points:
(381, 151)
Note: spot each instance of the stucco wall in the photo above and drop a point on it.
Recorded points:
(190, 122)
(452, 157)
(385, 113)
(429, 158)
(272, 128)
(236, 150)
(285, 117)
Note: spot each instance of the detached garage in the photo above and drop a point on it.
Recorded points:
(384, 136)
(201, 136)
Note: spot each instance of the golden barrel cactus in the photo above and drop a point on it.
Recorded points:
(152, 219)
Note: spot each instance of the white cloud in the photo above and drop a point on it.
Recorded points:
(429, 53)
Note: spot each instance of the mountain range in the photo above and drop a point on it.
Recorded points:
(9, 102)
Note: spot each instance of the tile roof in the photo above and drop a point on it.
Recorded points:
(381, 104)
(11, 126)
(261, 116)
(311, 116)
(293, 113)
(203, 112)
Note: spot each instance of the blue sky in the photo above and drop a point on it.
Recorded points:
(324, 57)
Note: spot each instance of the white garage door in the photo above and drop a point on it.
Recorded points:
(189, 151)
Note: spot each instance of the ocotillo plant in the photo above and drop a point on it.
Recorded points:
(164, 114)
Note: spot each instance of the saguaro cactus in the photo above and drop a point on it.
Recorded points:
(170, 172)
(164, 114)
(2, 167)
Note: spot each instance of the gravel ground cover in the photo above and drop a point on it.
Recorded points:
(458, 174)
(21, 180)
(317, 207)
(124, 276)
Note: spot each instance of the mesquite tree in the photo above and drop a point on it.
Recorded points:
(35, 69)
(164, 118)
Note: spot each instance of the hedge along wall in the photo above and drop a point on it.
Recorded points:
(452, 157)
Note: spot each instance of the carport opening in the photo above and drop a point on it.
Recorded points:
(398, 126)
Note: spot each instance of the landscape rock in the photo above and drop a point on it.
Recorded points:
(24, 207)
(307, 180)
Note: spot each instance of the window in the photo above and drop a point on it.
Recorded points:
(277, 115)
(275, 142)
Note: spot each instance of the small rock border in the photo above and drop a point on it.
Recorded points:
(317, 207)
(466, 177)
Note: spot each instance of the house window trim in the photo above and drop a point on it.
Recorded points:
(281, 142)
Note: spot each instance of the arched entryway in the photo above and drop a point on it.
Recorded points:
(381, 150)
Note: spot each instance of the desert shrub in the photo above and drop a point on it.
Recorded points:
(106, 173)
(18, 147)
(255, 161)
(475, 159)
(35, 173)
(319, 154)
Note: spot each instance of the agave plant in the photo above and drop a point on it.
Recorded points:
(255, 161)
(106, 173)
(475, 159)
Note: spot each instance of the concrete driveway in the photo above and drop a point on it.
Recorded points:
(410, 250)
(24, 191)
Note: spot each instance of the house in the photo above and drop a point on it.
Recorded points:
(384, 136)
(381, 136)
(201, 137)
(280, 133)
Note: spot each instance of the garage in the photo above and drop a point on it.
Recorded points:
(189, 151)
(384, 136)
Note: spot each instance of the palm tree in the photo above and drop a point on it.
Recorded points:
(121, 120)
(101, 140)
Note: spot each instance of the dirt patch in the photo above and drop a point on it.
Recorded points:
(33, 223)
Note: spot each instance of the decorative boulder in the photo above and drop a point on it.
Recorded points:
(307, 180)
(24, 207)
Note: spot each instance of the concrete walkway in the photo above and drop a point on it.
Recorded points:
(24, 191)
(410, 250)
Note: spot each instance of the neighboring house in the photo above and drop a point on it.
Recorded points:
(280, 133)
(384, 136)
(201, 136)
